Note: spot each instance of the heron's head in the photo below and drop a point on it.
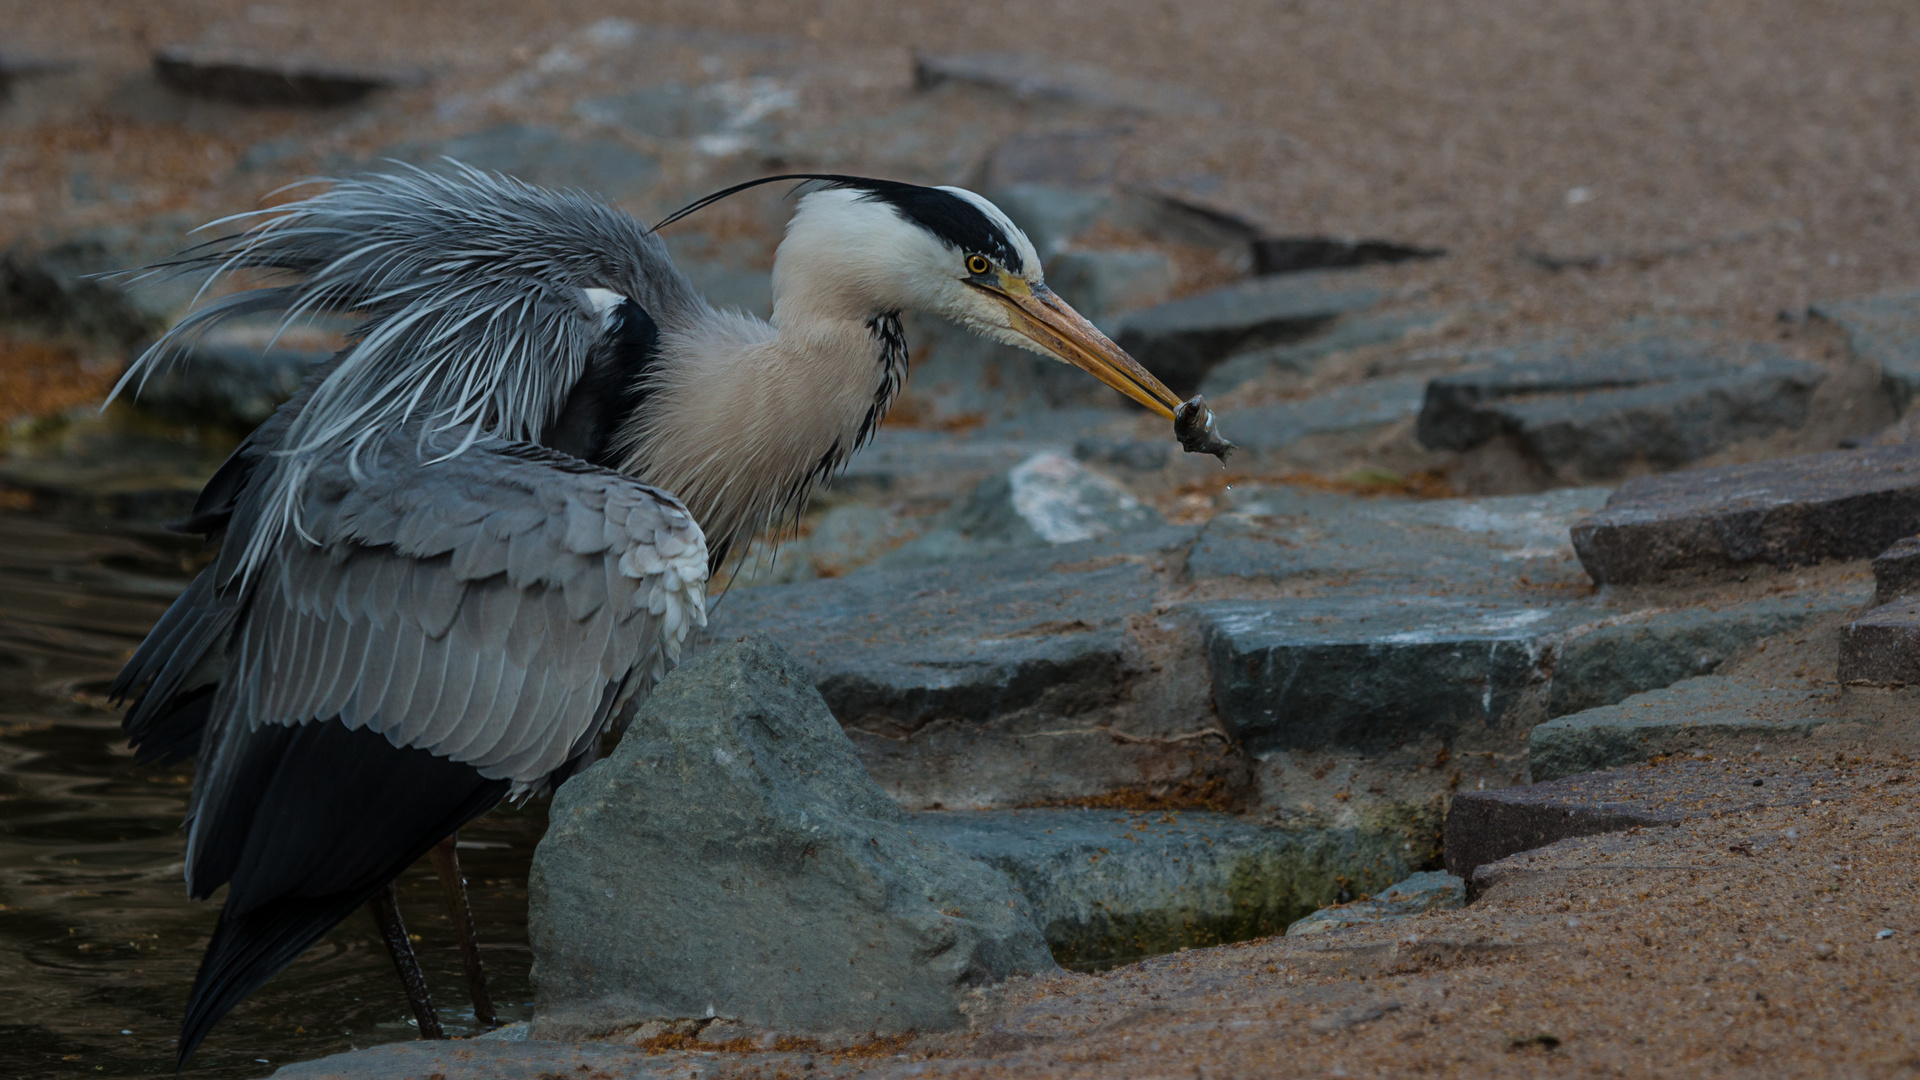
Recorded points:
(868, 246)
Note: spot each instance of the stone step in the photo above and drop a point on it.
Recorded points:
(1486, 826)
(1658, 647)
(1372, 673)
(1896, 571)
(992, 682)
(1595, 415)
(1112, 886)
(1848, 504)
(1711, 712)
(1886, 331)
(1882, 647)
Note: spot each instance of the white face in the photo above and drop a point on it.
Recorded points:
(850, 257)
(844, 248)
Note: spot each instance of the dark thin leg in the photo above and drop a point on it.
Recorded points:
(447, 864)
(385, 909)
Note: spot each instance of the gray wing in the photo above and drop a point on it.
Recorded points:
(495, 608)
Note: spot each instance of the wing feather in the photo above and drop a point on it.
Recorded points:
(497, 607)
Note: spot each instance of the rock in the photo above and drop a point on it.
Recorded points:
(1848, 504)
(1426, 891)
(15, 66)
(1053, 206)
(1109, 887)
(734, 812)
(1300, 358)
(1088, 158)
(1102, 284)
(1661, 646)
(1371, 673)
(1046, 499)
(1024, 78)
(1054, 500)
(842, 540)
(251, 78)
(49, 293)
(1139, 455)
(1886, 331)
(1358, 410)
(729, 287)
(721, 118)
(1181, 340)
(1662, 402)
(542, 155)
(1896, 571)
(1002, 682)
(1486, 826)
(1374, 544)
(1701, 713)
(1293, 254)
(1882, 647)
(228, 383)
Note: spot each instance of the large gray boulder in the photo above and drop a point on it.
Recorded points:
(732, 858)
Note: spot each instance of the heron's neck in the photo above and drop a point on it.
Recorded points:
(746, 416)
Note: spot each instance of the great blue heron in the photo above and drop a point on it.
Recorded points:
(475, 536)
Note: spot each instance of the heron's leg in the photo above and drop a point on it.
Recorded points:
(385, 909)
(447, 864)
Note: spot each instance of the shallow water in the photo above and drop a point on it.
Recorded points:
(98, 941)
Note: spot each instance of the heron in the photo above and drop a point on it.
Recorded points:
(479, 534)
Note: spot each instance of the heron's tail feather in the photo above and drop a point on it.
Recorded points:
(306, 822)
(251, 948)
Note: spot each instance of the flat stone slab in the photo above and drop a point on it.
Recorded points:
(1428, 890)
(1110, 886)
(1027, 77)
(1182, 339)
(1896, 571)
(985, 682)
(1371, 673)
(1882, 647)
(1886, 331)
(1661, 646)
(1487, 826)
(251, 78)
(1662, 402)
(544, 155)
(1362, 408)
(1300, 358)
(1693, 714)
(1846, 504)
(1279, 533)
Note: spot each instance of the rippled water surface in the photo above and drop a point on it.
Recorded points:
(98, 941)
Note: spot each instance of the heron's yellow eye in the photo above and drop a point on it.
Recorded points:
(978, 264)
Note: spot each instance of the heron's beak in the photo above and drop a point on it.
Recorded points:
(1049, 322)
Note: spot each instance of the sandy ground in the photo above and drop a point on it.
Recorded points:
(1725, 161)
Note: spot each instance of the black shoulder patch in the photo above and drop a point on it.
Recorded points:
(609, 390)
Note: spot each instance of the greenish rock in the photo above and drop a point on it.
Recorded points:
(1656, 648)
(1429, 890)
(1690, 715)
(1886, 331)
(543, 155)
(732, 858)
(1359, 409)
(1109, 887)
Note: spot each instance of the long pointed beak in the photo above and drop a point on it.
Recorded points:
(1052, 324)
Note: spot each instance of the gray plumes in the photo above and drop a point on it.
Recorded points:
(473, 291)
